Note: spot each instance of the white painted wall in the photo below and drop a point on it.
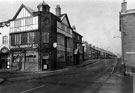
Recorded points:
(4, 31)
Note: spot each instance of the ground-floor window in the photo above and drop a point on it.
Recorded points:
(31, 56)
(60, 56)
(69, 56)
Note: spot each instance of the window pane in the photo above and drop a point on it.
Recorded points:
(24, 38)
(60, 56)
(5, 39)
(45, 36)
(17, 23)
(29, 21)
(60, 40)
(31, 37)
(18, 39)
(12, 40)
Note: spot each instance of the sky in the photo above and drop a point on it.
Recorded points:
(96, 20)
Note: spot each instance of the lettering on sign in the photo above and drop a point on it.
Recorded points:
(25, 46)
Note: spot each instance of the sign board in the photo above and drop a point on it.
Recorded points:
(45, 66)
(130, 53)
(25, 46)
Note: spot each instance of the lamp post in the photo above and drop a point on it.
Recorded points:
(54, 55)
(122, 59)
(83, 45)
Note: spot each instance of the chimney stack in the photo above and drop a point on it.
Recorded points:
(58, 10)
(124, 6)
(74, 28)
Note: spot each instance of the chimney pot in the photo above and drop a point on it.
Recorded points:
(58, 10)
(124, 6)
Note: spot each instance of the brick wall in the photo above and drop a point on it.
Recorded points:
(128, 38)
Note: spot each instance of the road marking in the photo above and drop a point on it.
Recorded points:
(32, 89)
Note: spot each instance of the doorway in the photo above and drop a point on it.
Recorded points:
(45, 64)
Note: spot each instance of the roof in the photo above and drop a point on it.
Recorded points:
(31, 11)
(4, 23)
(130, 11)
(62, 17)
(43, 3)
(77, 33)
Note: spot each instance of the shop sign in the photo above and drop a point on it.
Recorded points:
(130, 52)
(45, 57)
(18, 53)
(25, 46)
(31, 53)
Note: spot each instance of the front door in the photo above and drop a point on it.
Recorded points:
(3, 63)
(44, 64)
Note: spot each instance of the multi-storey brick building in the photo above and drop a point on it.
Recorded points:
(127, 29)
(40, 40)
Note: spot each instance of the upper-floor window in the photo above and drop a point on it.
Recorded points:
(17, 23)
(30, 37)
(60, 40)
(24, 24)
(69, 43)
(45, 37)
(78, 38)
(5, 39)
(63, 27)
(29, 21)
(17, 39)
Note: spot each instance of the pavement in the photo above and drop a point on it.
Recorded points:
(118, 78)
(6, 75)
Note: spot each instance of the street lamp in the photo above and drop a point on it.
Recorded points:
(54, 54)
(83, 45)
(54, 44)
(121, 59)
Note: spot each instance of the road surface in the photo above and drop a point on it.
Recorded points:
(91, 78)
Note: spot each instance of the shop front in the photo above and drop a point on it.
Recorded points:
(4, 58)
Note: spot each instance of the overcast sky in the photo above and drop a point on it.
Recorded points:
(96, 20)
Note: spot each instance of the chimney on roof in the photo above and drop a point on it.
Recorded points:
(124, 6)
(74, 28)
(58, 10)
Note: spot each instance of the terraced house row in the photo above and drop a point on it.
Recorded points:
(93, 52)
(39, 40)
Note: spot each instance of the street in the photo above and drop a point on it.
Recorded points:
(92, 78)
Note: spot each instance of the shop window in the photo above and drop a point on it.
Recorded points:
(30, 59)
(69, 56)
(60, 56)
